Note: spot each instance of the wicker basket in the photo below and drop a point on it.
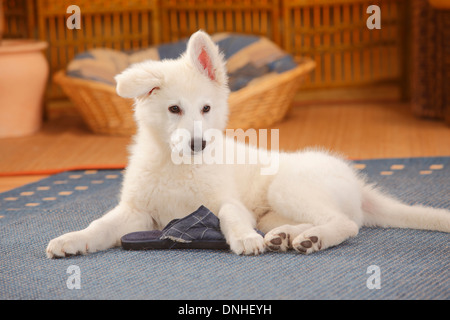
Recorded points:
(257, 105)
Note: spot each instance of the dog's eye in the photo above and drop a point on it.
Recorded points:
(174, 109)
(206, 109)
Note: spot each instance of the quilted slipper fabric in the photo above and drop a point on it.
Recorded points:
(198, 230)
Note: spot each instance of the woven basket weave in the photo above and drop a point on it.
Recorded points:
(431, 61)
(257, 105)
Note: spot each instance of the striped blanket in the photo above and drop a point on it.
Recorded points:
(249, 59)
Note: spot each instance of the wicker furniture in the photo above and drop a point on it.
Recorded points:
(431, 60)
(334, 34)
(331, 32)
(181, 18)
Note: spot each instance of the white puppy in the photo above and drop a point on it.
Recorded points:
(314, 201)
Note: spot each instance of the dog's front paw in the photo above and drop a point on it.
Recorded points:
(69, 244)
(252, 243)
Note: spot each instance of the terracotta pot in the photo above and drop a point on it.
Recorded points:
(23, 76)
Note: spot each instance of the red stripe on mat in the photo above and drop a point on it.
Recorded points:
(59, 170)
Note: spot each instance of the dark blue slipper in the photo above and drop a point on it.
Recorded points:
(199, 230)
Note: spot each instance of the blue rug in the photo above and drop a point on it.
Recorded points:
(377, 264)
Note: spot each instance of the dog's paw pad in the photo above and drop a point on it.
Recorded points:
(314, 239)
(277, 241)
(306, 245)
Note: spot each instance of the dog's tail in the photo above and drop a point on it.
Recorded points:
(384, 211)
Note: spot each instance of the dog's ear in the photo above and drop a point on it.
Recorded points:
(206, 58)
(139, 79)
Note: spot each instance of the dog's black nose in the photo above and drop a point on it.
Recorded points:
(197, 145)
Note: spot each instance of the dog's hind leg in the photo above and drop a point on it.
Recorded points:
(324, 236)
(317, 220)
(307, 238)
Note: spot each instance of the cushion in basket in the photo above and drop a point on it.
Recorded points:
(249, 59)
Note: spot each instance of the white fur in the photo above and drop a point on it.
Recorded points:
(315, 200)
